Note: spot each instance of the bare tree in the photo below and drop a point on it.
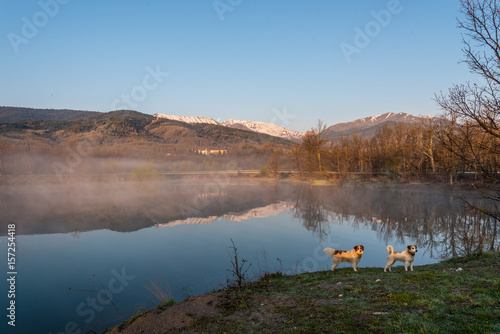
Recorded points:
(313, 143)
(274, 162)
(473, 110)
(310, 147)
(320, 130)
(297, 158)
(425, 140)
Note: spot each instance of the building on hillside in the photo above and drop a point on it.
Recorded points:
(207, 151)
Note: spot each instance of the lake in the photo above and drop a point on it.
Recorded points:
(86, 254)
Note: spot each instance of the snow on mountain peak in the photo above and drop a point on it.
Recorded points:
(260, 127)
(188, 119)
(256, 213)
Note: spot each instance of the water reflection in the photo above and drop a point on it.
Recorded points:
(45, 209)
(311, 208)
(434, 216)
(261, 212)
(69, 235)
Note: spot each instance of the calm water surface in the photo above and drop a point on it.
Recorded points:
(85, 254)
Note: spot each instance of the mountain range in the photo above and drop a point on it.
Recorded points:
(366, 127)
(260, 127)
(19, 114)
(259, 212)
(125, 133)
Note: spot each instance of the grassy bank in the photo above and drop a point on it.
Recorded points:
(454, 296)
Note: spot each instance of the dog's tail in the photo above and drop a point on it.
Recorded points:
(390, 249)
(329, 251)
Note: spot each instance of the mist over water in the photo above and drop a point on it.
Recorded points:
(76, 239)
(128, 206)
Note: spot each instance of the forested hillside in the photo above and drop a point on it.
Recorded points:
(124, 140)
(32, 147)
(17, 114)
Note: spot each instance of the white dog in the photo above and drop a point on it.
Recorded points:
(353, 256)
(407, 257)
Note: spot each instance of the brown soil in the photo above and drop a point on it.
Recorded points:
(175, 318)
(195, 311)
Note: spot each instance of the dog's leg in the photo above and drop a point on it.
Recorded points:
(334, 266)
(389, 265)
(411, 265)
(355, 266)
(406, 265)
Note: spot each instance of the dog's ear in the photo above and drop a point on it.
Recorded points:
(408, 247)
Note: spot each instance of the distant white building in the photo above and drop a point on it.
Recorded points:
(206, 151)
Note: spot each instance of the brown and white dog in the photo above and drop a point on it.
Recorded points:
(353, 256)
(407, 257)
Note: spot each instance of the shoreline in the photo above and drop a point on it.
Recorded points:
(454, 295)
(253, 175)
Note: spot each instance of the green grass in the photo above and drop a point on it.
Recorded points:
(433, 299)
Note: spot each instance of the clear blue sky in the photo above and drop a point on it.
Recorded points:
(271, 61)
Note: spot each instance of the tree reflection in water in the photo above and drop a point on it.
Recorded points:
(435, 216)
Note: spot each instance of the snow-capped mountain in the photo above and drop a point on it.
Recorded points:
(260, 127)
(367, 126)
(261, 212)
(375, 120)
(188, 119)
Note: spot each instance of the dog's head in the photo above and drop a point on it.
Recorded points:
(412, 249)
(359, 249)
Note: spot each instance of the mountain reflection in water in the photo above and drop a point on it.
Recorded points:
(263, 212)
(431, 215)
(73, 238)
